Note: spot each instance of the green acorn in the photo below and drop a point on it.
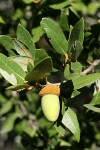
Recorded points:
(50, 102)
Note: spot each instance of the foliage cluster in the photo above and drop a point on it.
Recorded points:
(50, 42)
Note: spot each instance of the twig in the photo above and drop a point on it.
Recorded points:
(86, 71)
(91, 67)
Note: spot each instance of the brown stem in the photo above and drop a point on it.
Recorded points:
(91, 67)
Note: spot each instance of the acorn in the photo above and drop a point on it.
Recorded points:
(50, 102)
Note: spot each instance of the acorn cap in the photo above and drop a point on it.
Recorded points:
(50, 89)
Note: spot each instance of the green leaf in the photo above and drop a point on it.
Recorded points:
(9, 77)
(18, 87)
(30, 67)
(67, 72)
(93, 108)
(22, 61)
(60, 5)
(93, 7)
(24, 36)
(96, 99)
(11, 71)
(39, 55)
(82, 81)
(7, 42)
(2, 98)
(27, 1)
(60, 129)
(6, 107)
(21, 49)
(75, 93)
(41, 70)
(2, 20)
(70, 121)
(64, 143)
(24, 126)
(80, 6)
(76, 67)
(63, 107)
(64, 21)
(55, 35)
(37, 33)
(78, 49)
(72, 71)
(9, 123)
(77, 34)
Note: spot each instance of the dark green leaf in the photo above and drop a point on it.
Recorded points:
(24, 36)
(55, 35)
(78, 47)
(41, 70)
(7, 42)
(77, 34)
(76, 50)
(70, 121)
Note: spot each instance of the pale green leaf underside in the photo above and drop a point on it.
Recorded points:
(22, 61)
(55, 34)
(71, 122)
(96, 99)
(21, 49)
(9, 77)
(24, 36)
(93, 108)
(9, 67)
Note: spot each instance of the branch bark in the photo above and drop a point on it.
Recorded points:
(91, 67)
